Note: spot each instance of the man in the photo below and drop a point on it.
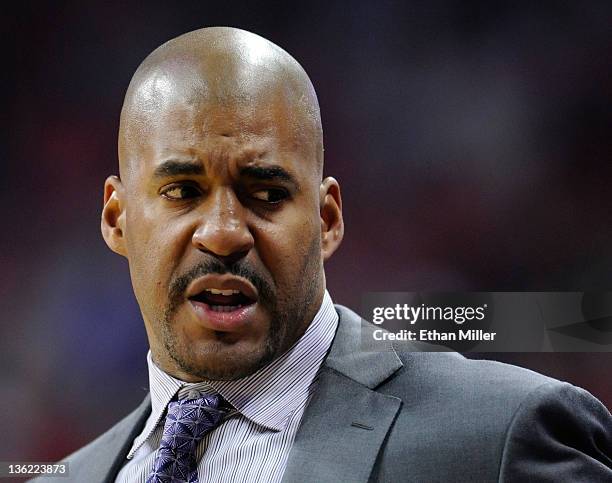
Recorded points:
(226, 220)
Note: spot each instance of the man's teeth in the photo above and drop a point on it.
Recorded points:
(224, 308)
(218, 291)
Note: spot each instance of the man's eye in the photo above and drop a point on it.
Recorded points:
(180, 192)
(270, 195)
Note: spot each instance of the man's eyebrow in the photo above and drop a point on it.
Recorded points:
(269, 173)
(173, 167)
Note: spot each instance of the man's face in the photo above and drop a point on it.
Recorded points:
(223, 233)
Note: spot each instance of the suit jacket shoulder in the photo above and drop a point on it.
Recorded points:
(464, 419)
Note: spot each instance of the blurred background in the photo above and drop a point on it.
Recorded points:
(472, 142)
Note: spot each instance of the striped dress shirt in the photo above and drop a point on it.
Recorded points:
(254, 439)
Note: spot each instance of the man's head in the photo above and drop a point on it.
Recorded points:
(220, 207)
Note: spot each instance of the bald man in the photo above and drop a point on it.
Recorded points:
(224, 216)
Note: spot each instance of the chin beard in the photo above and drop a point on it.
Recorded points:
(234, 365)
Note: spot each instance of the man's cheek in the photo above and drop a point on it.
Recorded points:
(151, 266)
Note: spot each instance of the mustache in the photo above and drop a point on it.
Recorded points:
(240, 268)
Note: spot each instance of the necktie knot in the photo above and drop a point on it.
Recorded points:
(187, 422)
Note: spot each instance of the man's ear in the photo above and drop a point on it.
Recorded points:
(332, 224)
(113, 215)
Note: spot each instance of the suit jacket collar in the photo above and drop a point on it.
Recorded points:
(352, 353)
(342, 429)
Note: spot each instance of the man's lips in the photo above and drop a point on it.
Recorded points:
(223, 302)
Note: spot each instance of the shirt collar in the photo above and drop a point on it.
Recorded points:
(267, 397)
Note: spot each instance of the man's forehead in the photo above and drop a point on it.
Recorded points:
(220, 132)
(192, 110)
(185, 121)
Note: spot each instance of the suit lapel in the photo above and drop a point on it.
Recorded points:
(346, 421)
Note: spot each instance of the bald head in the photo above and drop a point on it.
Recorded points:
(225, 72)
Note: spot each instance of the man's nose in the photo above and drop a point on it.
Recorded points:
(223, 230)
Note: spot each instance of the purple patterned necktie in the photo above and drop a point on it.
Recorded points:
(187, 422)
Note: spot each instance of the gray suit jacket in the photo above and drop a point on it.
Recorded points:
(399, 416)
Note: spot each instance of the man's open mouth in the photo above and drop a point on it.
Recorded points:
(220, 300)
